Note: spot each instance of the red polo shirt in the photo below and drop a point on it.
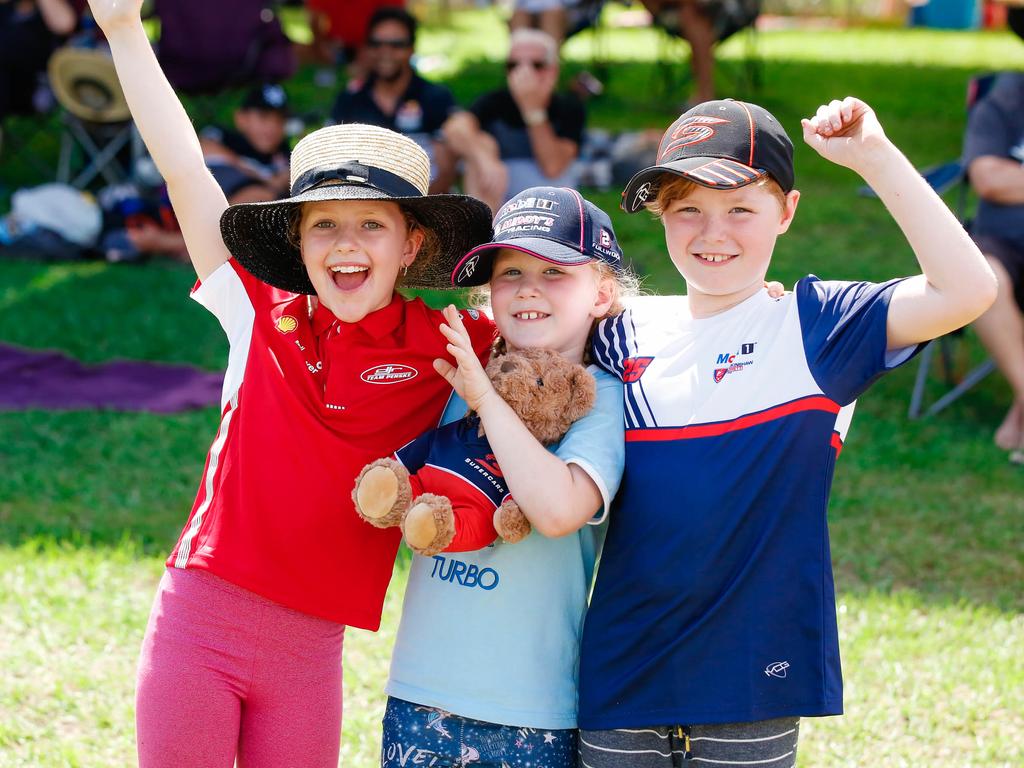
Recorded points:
(307, 402)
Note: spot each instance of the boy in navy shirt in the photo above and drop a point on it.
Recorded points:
(712, 625)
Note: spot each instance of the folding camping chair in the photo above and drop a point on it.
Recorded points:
(98, 137)
(950, 346)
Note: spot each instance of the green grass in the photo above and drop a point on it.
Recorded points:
(926, 516)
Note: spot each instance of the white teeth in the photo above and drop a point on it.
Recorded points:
(529, 315)
(349, 270)
(716, 257)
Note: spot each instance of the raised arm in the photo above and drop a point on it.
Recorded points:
(956, 284)
(556, 498)
(58, 16)
(167, 131)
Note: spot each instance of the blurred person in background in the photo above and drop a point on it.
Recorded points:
(339, 31)
(994, 159)
(694, 21)
(394, 96)
(524, 135)
(250, 161)
(29, 32)
(550, 16)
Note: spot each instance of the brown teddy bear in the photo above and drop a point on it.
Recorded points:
(445, 488)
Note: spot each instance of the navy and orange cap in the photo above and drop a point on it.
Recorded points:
(718, 144)
(555, 224)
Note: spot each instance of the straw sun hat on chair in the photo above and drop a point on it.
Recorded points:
(86, 85)
(356, 162)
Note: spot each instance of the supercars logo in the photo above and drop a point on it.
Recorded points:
(693, 130)
(391, 373)
(633, 368)
(286, 324)
(490, 464)
(720, 374)
(777, 669)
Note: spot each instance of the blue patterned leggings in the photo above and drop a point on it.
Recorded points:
(428, 737)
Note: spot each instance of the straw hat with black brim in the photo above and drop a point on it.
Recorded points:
(555, 224)
(720, 145)
(355, 162)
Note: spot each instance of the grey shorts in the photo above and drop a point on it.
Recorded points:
(765, 743)
(1010, 255)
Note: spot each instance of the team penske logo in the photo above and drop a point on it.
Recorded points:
(286, 324)
(391, 373)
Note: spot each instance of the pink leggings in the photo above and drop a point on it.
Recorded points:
(225, 672)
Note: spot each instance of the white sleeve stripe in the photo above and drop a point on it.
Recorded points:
(185, 545)
(594, 475)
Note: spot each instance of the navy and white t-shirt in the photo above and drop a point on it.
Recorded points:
(714, 599)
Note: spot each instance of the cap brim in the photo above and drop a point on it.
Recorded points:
(476, 266)
(711, 172)
(256, 234)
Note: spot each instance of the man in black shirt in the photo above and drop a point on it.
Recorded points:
(524, 135)
(394, 96)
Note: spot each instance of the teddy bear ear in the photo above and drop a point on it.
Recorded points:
(582, 391)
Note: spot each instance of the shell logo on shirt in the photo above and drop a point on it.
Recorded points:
(389, 373)
(286, 324)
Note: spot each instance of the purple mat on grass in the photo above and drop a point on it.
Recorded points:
(47, 380)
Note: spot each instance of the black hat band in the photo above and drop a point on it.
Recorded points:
(357, 173)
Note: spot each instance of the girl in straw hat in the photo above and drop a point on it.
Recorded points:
(328, 369)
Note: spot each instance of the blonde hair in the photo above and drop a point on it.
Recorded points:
(625, 283)
(672, 187)
(431, 242)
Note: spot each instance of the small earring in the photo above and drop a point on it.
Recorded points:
(405, 270)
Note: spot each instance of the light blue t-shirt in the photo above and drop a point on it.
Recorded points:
(494, 635)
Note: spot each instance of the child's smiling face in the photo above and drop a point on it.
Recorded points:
(721, 241)
(550, 306)
(353, 251)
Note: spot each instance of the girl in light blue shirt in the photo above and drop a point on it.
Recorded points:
(485, 663)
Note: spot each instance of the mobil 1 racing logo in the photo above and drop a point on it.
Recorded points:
(468, 575)
(733, 362)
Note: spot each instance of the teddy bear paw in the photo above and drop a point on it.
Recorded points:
(429, 526)
(510, 523)
(382, 493)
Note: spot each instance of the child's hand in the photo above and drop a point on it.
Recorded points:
(775, 289)
(467, 377)
(110, 14)
(845, 132)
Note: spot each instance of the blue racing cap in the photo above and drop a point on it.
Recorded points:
(555, 224)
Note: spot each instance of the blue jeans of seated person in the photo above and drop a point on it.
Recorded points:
(433, 738)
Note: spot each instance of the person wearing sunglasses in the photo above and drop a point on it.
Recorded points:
(524, 135)
(395, 96)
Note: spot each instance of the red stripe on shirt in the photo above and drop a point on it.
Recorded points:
(837, 443)
(813, 403)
